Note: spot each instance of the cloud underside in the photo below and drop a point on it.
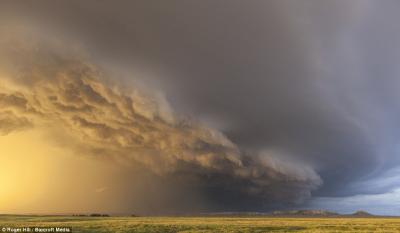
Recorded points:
(289, 92)
(78, 102)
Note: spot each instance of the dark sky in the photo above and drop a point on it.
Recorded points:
(311, 82)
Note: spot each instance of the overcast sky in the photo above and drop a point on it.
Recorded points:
(309, 87)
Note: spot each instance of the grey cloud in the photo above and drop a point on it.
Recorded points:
(315, 80)
(52, 90)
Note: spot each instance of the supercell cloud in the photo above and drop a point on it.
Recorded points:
(253, 106)
(43, 88)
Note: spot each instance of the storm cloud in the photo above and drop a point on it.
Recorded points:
(262, 102)
(49, 90)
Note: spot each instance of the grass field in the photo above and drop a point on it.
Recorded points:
(205, 224)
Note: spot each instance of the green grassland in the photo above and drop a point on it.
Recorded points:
(205, 224)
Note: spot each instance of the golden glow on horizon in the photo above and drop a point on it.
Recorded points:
(36, 176)
(24, 168)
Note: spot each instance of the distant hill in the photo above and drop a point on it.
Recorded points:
(293, 213)
(305, 213)
(362, 213)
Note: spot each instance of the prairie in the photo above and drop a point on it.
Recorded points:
(204, 224)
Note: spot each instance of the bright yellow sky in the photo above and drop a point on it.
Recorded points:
(21, 172)
(36, 176)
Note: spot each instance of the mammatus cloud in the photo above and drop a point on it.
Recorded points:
(43, 87)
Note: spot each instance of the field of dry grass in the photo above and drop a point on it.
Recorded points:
(205, 224)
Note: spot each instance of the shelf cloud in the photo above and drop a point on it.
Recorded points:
(242, 106)
(48, 89)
